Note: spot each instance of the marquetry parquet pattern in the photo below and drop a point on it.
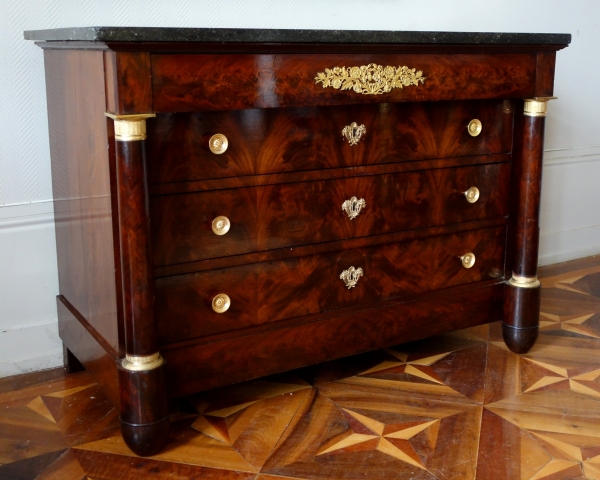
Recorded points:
(458, 406)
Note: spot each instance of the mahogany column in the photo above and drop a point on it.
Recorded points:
(522, 299)
(144, 411)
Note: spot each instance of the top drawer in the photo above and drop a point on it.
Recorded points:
(195, 82)
(265, 141)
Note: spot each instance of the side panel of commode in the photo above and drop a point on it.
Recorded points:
(83, 206)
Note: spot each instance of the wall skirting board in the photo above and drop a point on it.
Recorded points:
(557, 247)
(28, 285)
(30, 348)
(570, 217)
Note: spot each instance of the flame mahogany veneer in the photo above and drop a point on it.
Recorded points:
(139, 263)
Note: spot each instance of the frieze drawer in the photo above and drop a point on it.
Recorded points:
(193, 82)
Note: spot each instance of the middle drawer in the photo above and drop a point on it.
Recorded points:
(286, 215)
(277, 140)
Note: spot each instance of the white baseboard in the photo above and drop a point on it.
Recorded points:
(30, 348)
(557, 247)
(570, 213)
(28, 286)
(52, 360)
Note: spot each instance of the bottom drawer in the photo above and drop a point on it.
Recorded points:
(202, 365)
(272, 291)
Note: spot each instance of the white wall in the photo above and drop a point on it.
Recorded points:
(28, 283)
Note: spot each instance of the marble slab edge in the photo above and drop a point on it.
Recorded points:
(228, 35)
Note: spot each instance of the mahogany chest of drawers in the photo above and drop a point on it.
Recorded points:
(235, 203)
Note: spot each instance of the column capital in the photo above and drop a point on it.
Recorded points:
(536, 106)
(129, 128)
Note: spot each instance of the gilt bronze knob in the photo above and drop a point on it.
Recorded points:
(221, 225)
(472, 194)
(474, 127)
(221, 303)
(218, 143)
(468, 260)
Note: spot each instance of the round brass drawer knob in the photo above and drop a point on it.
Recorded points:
(221, 303)
(221, 225)
(474, 127)
(468, 260)
(472, 194)
(218, 143)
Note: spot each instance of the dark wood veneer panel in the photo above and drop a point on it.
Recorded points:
(192, 82)
(136, 255)
(331, 173)
(62, 122)
(81, 186)
(91, 350)
(276, 216)
(192, 369)
(267, 141)
(272, 291)
(128, 82)
(544, 79)
(111, 81)
(529, 163)
(323, 248)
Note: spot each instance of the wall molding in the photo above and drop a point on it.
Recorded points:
(571, 155)
(32, 222)
(26, 209)
(25, 216)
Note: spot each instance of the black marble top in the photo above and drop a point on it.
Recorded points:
(152, 34)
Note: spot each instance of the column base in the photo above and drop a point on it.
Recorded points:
(519, 340)
(521, 317)
(144, 410)
(145, 439)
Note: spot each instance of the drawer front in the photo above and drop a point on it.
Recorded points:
(273, 291)
(198, 82)
(286, 140)
(192, 368)
(277, 216)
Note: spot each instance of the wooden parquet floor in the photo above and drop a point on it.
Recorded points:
(458, 406)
